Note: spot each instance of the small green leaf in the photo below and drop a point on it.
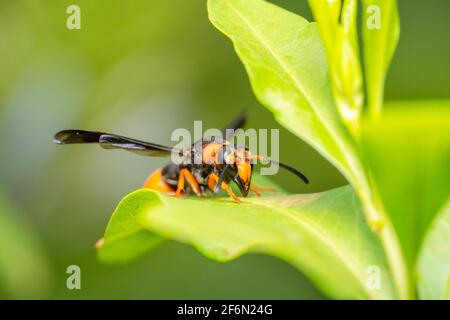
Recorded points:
(338, 29)
(381, 30)
(125, 238)
(285, 60)
(433, 267)
(408, 154)
(322, 234)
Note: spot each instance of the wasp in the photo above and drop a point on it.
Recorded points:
(219, 162)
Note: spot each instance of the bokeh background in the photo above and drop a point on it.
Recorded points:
(142, 69)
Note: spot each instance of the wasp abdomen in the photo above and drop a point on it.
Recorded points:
(157, 181)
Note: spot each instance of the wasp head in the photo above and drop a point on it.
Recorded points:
(240, 168)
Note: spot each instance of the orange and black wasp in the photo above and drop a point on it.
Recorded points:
(220, 162)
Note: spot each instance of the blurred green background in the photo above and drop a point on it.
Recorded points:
(142, 69)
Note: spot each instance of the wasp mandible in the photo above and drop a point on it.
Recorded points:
(221, 162)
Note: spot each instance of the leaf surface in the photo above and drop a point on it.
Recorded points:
(433, 267)
(380, 31)
(287, 66)
(338, 28)
(304, 230)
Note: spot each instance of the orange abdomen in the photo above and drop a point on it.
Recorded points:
(156, 182)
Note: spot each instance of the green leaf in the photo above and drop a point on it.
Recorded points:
(322, 234)
(24, 272)
(125, 238)
(287, 66)
(381, 30)
(408, 154)
(285, 60)
(338, 29)
(433, 267)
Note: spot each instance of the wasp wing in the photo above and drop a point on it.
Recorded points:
(237, 123)
(76, 136)
(112, 141)
(227, 133)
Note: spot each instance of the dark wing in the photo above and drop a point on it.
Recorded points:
(112, 141)
(237, 123)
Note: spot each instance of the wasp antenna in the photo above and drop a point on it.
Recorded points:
(293, 170)
(285, 166)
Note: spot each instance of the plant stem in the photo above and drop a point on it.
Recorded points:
(382, 226)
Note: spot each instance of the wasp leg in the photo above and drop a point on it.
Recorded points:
(185, 174)
(258, 189)
(255, 191)
(214, 179)
(230, 192)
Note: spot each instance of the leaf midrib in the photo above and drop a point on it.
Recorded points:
(274, 54)
(299, 87)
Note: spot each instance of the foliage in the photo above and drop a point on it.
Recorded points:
(396, 161)
(305, 230)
